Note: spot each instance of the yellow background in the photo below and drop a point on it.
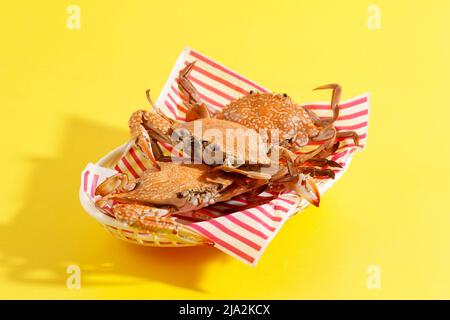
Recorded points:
(66, 96)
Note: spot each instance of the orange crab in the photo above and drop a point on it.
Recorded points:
(276, 113)
(149, 203)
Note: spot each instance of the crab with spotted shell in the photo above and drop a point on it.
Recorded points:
(295, 125)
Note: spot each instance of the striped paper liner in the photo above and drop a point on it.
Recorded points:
(243, 234)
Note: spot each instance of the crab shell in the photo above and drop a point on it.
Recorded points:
(148, 203)
(274, 112)
(238, 143)
(175, 187)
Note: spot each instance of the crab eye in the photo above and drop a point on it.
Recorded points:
(251, 92)
(285, 95)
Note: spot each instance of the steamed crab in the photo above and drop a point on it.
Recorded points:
(277, 113)
(148, 203)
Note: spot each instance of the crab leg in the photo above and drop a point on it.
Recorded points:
(159, 155)
(306, 187)
(316, 172)
(311, 154)
(328, 135)
(335, 96)
(149, 98)
(286, 154)
(145, 127)
(349, 134)
(240, 187)
(165, 227)
(322, 162)
(295, 179)
(249, 174)
(114, 184)
(255, 192)
(330, 149)
(154, 123)
(325, 133)
(331, 146)
(140, 135)
(197, 109)
(291, 159)
(303, 185)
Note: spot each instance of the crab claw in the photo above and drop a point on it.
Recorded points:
(146, 127)
(114, 184)
(185, 86)
(143, 141)
(197, 109)
(307, 189)
(335, 97)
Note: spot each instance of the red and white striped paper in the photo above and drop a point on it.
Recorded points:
(243, 234)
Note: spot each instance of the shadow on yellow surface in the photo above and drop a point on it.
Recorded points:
(60, 233)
